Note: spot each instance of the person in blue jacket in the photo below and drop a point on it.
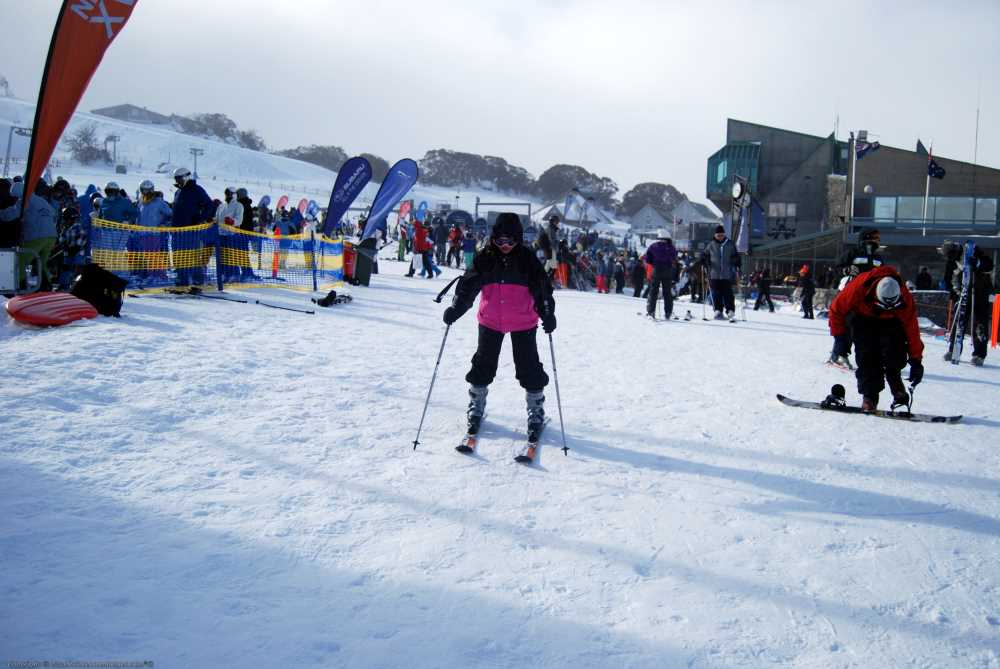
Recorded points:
(116, 206)
(192, 206)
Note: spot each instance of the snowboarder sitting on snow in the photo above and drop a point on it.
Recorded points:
(877, 313)
(516, 292)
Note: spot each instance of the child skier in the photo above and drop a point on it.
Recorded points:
(877, 313)
(516, 292)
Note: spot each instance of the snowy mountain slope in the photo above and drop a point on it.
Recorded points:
(212, 484)
(143, 147)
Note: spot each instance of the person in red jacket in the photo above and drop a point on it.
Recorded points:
(422, 246)
(455, 246)
(515, 292)
(876, 312)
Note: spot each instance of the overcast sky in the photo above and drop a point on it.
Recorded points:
(636, 91)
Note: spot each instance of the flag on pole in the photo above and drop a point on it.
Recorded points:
(933, 169)
(83, 32)
(864, 148)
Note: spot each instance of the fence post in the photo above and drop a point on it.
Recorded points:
(218, 257)
(312, 256)
(276, 253)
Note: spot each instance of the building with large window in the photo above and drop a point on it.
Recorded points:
(789, 175)
(803, 184)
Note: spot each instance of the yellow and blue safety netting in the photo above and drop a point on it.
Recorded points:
(213, 255)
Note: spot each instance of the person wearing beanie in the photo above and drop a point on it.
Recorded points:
(865, 256)
(723, 263)
(515, 293)
(808, 287)
(876, 313)
(662, 255)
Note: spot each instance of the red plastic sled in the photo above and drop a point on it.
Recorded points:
(49, 309)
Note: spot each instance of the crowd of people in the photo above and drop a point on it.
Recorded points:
(57, 225)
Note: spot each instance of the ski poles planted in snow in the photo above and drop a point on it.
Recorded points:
(555, 377)
(420, 427)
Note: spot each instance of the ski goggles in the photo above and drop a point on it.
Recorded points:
(889, 305)
(505, 243)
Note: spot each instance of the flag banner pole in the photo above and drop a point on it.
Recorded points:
(927, 188)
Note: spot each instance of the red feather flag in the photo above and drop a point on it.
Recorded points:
(84, 31)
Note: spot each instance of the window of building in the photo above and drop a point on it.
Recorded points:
(885, 209)
(912, 209)
(790, 210)
(721, 172)
(986, 210)
(952, 209)
(776, 210)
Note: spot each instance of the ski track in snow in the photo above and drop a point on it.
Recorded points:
(210, 484)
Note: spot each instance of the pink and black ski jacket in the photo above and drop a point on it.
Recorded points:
(515, 289)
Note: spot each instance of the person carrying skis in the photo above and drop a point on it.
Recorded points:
(980, 310)
(662, 255)
(516, 292)
(877, 313)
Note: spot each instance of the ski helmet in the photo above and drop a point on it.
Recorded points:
(887, 293)
(111, 188)
(181, 176)
(146, 186)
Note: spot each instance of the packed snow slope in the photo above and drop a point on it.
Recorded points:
(211, 484)
(144, 147)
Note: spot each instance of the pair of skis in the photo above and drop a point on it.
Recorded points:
(525, 455)
(961, 314)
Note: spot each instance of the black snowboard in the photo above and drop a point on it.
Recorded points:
(898, 415)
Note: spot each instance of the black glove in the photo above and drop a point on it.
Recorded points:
(549, 323)
(916, 371)
(451, 314)
(841, 345)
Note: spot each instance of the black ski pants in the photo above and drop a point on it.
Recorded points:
(763, 295)
(807, 305)
(722, 294)
(880, 351)
(527, 367)
(638, 280)
(662, 278)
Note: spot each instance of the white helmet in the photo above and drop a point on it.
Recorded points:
(181, 176)
(146, 185)
(887, 293)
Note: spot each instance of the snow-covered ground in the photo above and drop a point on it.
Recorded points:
(211, 484)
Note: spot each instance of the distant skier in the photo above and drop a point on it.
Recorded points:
(876, 312)
(808, 287)
(763, 281)
(516, 292)
(723, 263)
(662, 255)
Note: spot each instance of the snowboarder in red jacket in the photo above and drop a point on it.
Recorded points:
(877, 313)
(515, 292)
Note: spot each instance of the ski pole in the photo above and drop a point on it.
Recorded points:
(420, 427)
(275, 306)
(704, 298)
(555, 376)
